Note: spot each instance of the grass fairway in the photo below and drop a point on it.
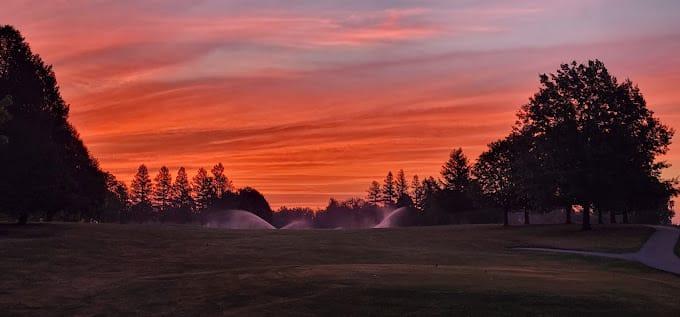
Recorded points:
(80, 269)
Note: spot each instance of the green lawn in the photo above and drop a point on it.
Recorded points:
(80, 269)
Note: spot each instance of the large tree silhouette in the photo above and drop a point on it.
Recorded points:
(45, 167)
(592, 139)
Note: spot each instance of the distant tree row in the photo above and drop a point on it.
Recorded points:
(180, 201)
(454, 192)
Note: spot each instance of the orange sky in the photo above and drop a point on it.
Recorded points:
(315, 99)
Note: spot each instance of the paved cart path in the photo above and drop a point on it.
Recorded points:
(657, 252)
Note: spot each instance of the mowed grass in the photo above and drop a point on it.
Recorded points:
(109, 269)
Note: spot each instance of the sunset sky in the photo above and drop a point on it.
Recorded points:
(305, 100)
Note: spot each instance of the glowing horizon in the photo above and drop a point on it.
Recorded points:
(312, 100)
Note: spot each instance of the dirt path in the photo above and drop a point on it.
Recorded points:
(657, 252)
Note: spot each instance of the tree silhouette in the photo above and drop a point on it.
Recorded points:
(45, 167)
(456, 172)
(182, 202)
(374, 192)
(388, 190)
(592, 139)
(204, 191)
(141, 188)
(162, 190)
(430, 189)
(496, 172)
(117, 202)
(181, 197)
(401, 184)
(140, 194)
(418, 193)
(221, 183)
(252, 200)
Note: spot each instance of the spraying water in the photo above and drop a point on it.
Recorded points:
(393, 219)
(236, 219)
(300, 224)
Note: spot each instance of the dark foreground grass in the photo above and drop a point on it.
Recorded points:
(79, 269)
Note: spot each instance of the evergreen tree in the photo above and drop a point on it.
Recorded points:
(456, 172)
(141, 188)
(221, 182)
(401, 184)
(388, 190)
(430, 189)
(418, 193)
(140, 195)
(162, 191)
(181, 197)
(182, 203)
(374, 193)
(204, 191)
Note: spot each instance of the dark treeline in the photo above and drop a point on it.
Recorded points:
(453, 198)
(179, 201)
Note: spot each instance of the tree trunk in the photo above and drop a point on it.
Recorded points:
(612, 217)
(23, 219)
(586, 218)
(567, 213)
(625, 216)
(506, 217)
(526, 217)
(599, 216)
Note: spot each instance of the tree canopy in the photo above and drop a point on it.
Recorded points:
(591, 140)
(46, 169)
